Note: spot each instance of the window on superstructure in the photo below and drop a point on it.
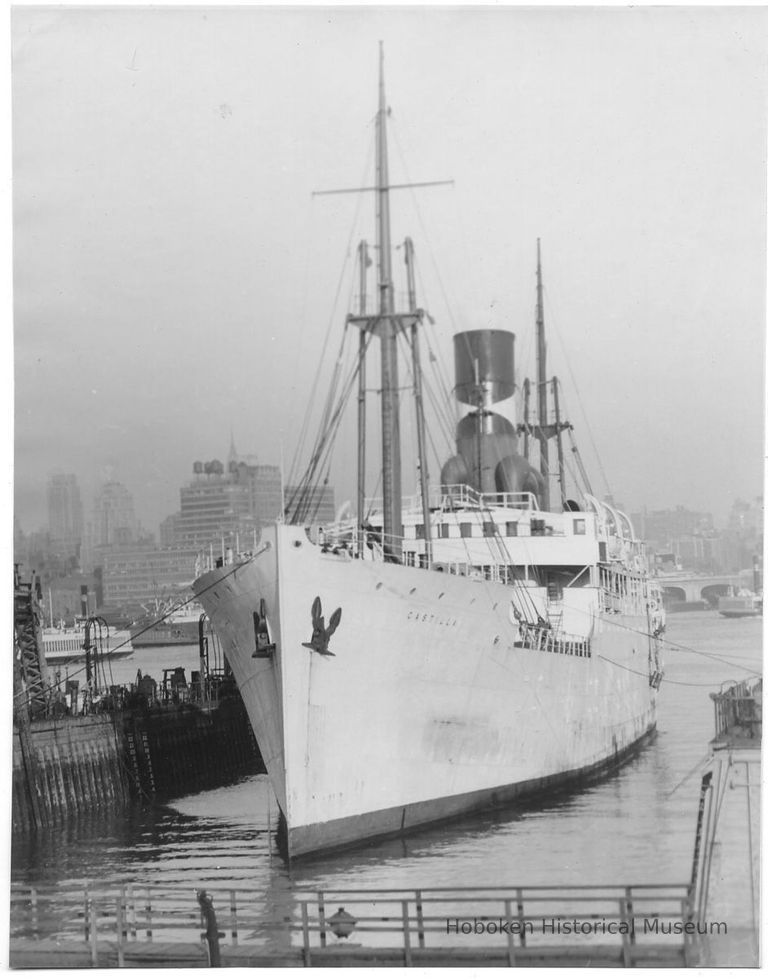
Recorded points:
(579, 527)
(419, 531)
(538, 528)
(444, 531)
(489, 529)
(511, 529)
(422, 560)
(554, 590)
(465, 529)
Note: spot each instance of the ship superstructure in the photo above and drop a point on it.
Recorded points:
(63, 645)
(436, 655)
(172, 625)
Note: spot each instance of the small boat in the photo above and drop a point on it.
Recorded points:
(740, 603)
(63, 645)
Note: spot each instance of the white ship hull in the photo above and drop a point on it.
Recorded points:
(63, 646)
(427, 708)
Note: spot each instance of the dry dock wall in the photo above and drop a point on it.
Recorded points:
(180, 749)
(68, 766)
(71, 765)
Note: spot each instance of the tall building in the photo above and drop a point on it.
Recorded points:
(215, 506)
(65, 514)
(113, 523)
(114, 519)
(226, 507)
(265, 490)
(140, 574)
(320, 501)
(264, 482)
(169, 530)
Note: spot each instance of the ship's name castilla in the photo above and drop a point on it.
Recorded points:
(431, 619)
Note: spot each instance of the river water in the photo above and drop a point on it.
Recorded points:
(635, 827)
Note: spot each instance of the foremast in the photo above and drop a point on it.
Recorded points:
(388, 325)
(388, 330)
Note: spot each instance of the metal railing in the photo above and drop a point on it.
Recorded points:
(512, 921)
(739, 711)
(130, 914)
(549, 640)
(459, 495)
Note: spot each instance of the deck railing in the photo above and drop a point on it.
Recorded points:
(739, 712)
(457, 496)
(545, 639)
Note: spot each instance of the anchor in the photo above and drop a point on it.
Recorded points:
(320, 634)
(264, 648)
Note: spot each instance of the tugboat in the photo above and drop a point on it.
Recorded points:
(740, 603)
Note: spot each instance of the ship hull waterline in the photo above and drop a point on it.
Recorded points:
(427, 709)
(317, 840)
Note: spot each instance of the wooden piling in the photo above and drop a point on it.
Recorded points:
(78, 764)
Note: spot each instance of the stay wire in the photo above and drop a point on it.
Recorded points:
(332, 318)
(325, 447)
(552, 318)
(672, 682)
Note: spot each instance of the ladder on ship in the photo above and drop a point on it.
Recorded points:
(555, 619)
(32, 669)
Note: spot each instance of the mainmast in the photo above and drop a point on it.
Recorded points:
(364, 262)
(390, 397)
(387, 324)
(541, 360)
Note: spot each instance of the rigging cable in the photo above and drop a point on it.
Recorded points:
(425, 235)
(162, 618)
(552, 318)
(332, 318)
(673, 682)
(325, 443)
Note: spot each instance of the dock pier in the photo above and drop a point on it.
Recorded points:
(79, 751)
(71, 765)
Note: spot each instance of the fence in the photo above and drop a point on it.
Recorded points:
(513, 925)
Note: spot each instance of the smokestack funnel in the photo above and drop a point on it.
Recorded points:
(485, 366)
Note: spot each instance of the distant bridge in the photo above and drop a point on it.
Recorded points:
(697, 589)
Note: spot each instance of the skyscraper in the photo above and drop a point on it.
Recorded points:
(114, 518)
(65, 514)
(215, 507)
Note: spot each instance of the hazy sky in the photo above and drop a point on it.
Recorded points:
(174, 279)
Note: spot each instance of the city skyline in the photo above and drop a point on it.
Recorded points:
(122, 499)
(163, 167)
